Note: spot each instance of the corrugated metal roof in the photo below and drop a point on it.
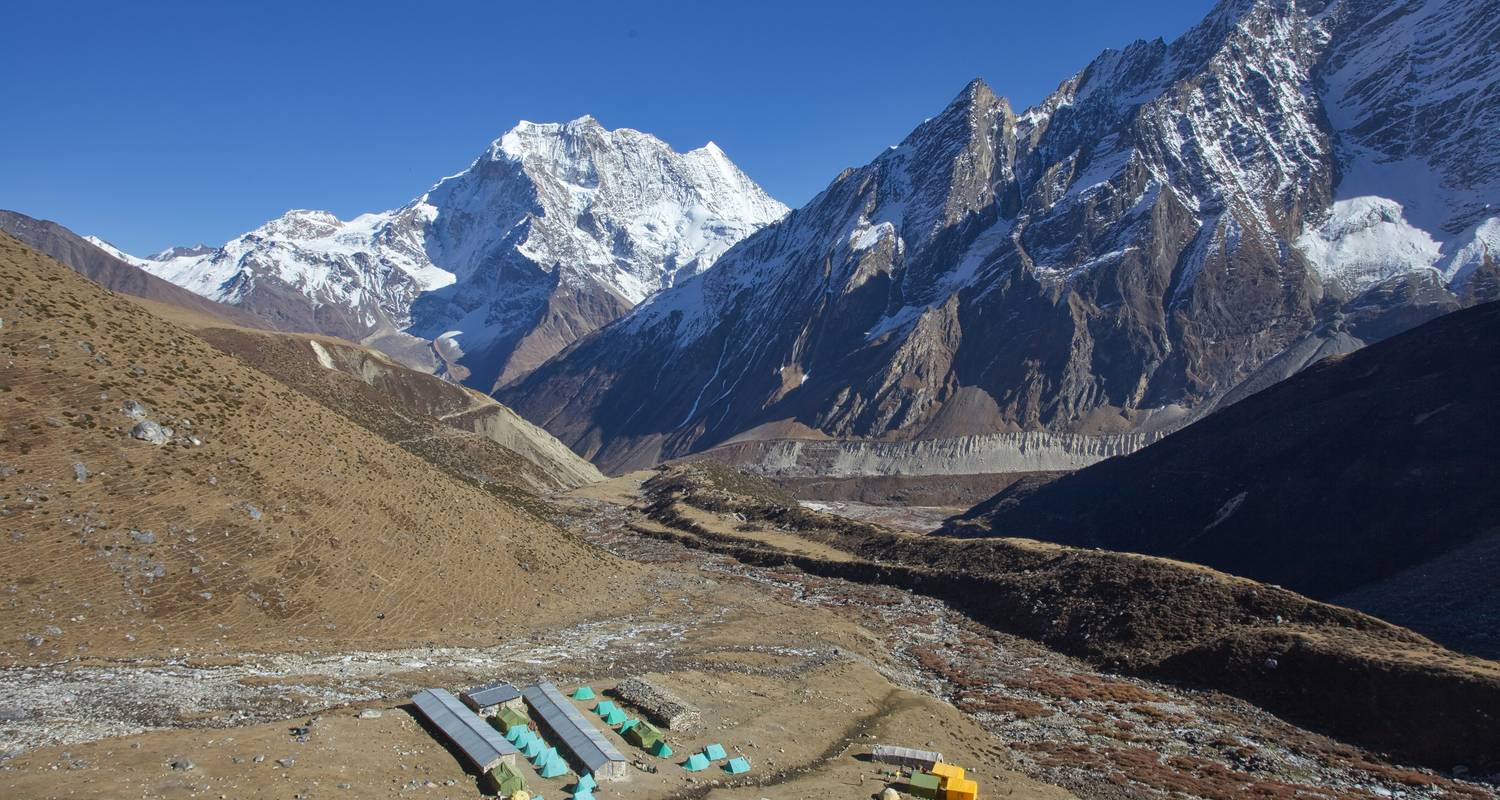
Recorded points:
(579, 736)
(493, 694)
(482, 744)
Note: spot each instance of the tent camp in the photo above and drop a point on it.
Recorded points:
(643, 735)
(508, 719)
(584, 744)
(481, 744)
(696, 762)
(504, 780)
(554, 767)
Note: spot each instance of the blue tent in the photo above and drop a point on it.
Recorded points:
(586, 781)
(544, 756)
(715, 752)
(695, 763)
(554, 767)
(584, 693)
(604, 707)
(737, 766)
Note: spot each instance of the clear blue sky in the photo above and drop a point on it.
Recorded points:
(160, 123)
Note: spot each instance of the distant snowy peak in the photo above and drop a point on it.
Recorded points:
(548, 207)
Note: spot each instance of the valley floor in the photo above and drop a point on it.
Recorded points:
(799, 673)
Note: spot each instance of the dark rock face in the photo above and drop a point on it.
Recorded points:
(1117, 258)
(1341, 483)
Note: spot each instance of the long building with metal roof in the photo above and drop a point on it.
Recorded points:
(476, 739)
(584, 744)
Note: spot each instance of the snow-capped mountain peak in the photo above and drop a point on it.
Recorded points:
(605, 217)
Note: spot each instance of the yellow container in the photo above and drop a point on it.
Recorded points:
(947, 772)
(960, 789)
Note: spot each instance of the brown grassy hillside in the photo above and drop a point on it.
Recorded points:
(1319, 665)
(288, 524)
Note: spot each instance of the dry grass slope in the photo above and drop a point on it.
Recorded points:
(1326, 667)
(289, 527)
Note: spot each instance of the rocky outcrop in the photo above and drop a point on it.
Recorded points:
(1030, 451)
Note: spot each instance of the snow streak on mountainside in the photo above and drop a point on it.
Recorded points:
(555, 230)
(1157, 231)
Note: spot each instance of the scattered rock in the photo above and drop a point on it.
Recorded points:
(143, 537)
(286, 763)
(370, 713)
(258, 759)
(80, 472)
(135, 409)
(148, 431)
(253, 511)
(181, 764)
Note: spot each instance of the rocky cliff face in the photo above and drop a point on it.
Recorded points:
(555, 230)
(1118, 258)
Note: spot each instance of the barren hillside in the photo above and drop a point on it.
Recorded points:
(262, 517)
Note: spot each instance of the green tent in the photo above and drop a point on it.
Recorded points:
(643, 735)
(924, 785)
(614, 717)
(584, 693)
(504, 780)
(737, 766)
(662, 749)
(509, 719)
(715, 752)
(695, 763)
(604, 707)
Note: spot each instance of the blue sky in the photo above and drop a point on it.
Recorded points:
(160, 123)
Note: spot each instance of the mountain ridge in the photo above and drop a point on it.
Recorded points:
(1117, 258)
(555, 229)
(1343, 482)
